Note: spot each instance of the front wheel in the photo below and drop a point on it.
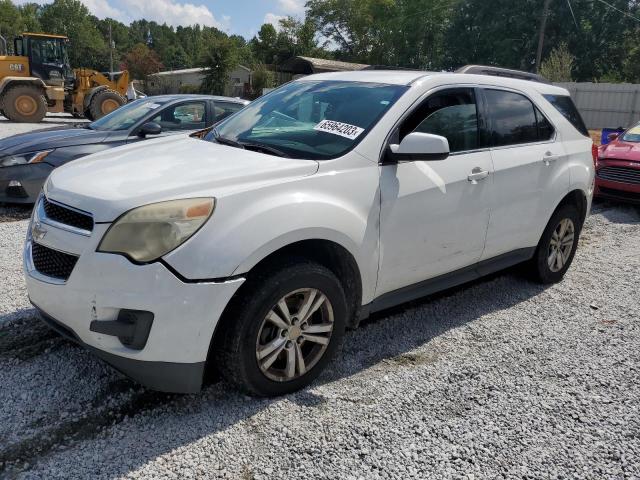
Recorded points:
(105, 102)
(557, 246)
(282, 330)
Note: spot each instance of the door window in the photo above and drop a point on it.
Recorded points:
(515, 120)
(545, 129)
(185, 116)
(451, 114)
(224, 109)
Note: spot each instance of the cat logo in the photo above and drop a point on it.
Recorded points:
(16, 67)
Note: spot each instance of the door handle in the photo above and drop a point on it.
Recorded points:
(477, 174)
(550, 158)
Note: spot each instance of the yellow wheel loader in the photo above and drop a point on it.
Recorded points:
(38, 79)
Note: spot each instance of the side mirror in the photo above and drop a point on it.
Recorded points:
(419, 146)
(612, 136)
(149, 128)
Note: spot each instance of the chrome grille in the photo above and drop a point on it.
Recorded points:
(67, 216)
(620, 174)
(52, 263)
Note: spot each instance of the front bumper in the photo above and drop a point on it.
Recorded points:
(161, 376)
(100, 285)
(31, 178)
(617, 190)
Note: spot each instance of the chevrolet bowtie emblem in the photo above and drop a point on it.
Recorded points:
(38, 232)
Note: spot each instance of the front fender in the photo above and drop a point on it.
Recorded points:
(247, 227)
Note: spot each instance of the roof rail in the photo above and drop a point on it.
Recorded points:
(390, 67)
(502, 72)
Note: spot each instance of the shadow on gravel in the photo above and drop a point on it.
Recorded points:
(616, 212)
(26, 338)
(385, 340)
(14, 212)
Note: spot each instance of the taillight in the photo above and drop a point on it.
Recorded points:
(594, 153)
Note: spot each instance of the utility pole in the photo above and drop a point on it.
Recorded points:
(110, 54)
(543, 27)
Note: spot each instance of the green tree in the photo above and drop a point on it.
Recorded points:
(558, 66)
(72, 18)
(176, 58)
(219, 61)
(262, 78)
(10, 20)
(141, 61)
(264, 44)
(406, 33)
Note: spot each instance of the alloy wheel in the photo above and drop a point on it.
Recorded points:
(294, 335)
(561, 245)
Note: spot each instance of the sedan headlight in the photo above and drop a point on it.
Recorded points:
(147, 233)
(24, 158)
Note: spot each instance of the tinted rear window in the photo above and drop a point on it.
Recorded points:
(513, 118)
(566, 107)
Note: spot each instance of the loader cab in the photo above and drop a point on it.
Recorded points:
(48, 58)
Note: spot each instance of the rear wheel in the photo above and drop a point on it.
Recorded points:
(104, 102)
(283, 331)
(557, 246)
(25, 104)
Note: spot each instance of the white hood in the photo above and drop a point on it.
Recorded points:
(109, 183)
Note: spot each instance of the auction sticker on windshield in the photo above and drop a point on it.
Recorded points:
(338, 128)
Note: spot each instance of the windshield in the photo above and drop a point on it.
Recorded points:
(48, 50)
(311, 119)
(128, 115)
(632, 135)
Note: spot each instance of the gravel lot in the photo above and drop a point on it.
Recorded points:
(498, 379)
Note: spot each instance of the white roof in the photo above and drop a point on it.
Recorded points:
(407, 77)
(392, 77)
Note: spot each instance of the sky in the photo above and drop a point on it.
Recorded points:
(240, 17)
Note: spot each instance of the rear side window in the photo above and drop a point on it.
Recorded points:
(567, 108)
(513, 118)
(224, 109)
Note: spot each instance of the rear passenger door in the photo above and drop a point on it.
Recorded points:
(530, 171)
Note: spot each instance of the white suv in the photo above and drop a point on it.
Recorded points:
(332, 197)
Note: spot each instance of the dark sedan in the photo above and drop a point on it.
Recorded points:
(26, 160)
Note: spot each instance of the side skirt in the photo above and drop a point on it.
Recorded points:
(446, 281)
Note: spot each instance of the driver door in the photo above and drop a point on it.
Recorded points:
(433, 218)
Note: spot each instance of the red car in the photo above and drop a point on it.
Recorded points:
(618, 167)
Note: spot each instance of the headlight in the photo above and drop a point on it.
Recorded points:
(147, 233)
(24, 158)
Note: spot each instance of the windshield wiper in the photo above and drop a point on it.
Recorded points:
(260, 147)
(226, 141)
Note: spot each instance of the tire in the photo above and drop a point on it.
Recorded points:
(88, 116)
(24, 104)
(104, 102)
(545, 267)
(246, 333)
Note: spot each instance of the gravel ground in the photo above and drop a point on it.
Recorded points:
(498, 379)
